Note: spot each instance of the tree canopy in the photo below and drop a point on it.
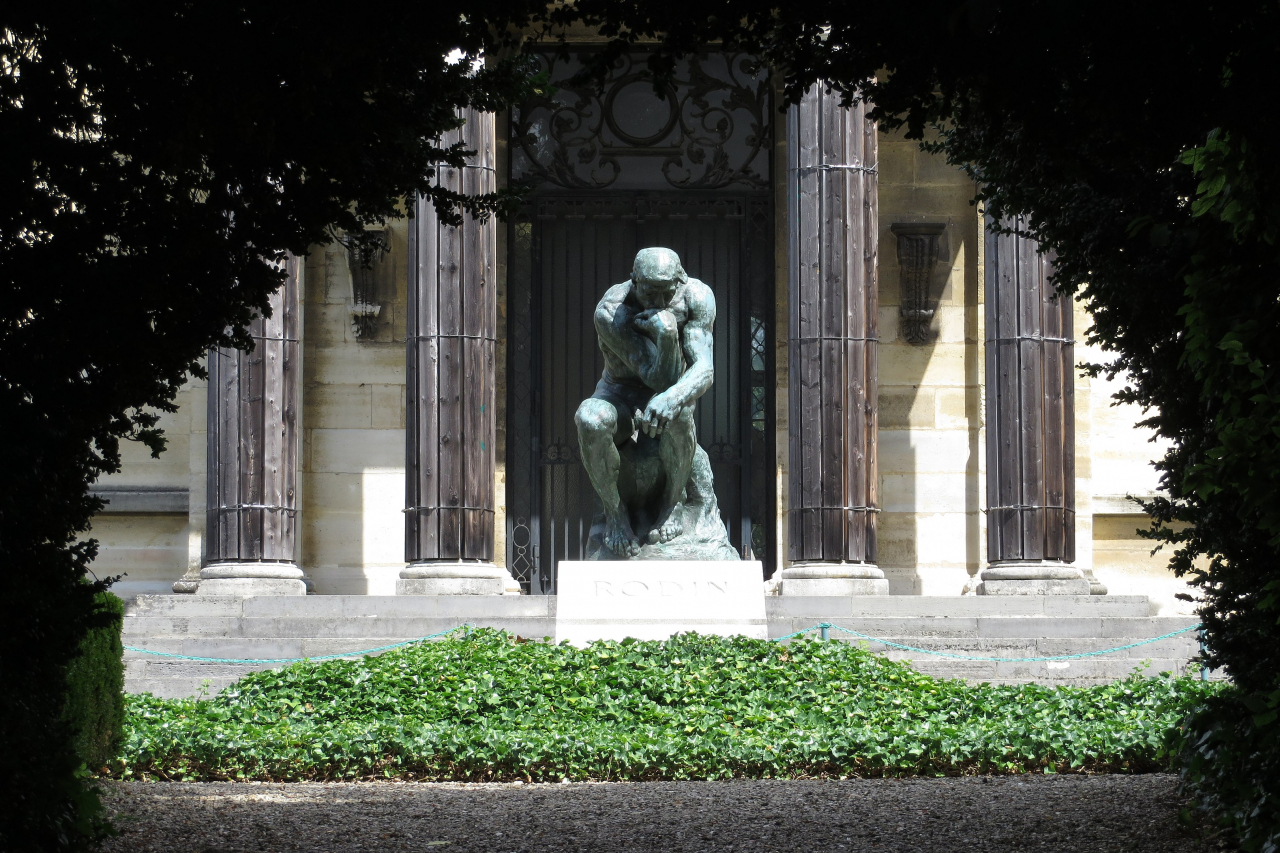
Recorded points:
(1138, 142)
(158, 162)
(1133, 139)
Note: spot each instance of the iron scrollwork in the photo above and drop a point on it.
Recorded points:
(708, 130)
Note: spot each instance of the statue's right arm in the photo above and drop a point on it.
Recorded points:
(617, 337)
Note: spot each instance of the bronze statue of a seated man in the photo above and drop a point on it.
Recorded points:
(655, 332)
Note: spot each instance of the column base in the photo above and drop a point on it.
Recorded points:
(249, 579)
(457, 578)
(1096, 587)
(188, 583)
(1033, 578)
(833, 579)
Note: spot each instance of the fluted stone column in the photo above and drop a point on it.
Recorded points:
(1030, 425)
(452, 327)
(833, 219)
(252, 511)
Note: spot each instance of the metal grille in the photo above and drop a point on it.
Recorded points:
(566, 251)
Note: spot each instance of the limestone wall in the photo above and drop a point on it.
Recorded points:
(932, 436)
(353, 422)
(931, 441)
(931, 452)
(145, 533)
(1121, 461)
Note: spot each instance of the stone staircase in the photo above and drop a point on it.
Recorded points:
(995, 626)
(1005, 627)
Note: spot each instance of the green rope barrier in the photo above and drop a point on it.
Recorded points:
(827, 625)
(794, 635)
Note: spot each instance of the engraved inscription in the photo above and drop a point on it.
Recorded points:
(661, 589)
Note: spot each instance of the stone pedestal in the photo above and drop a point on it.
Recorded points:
(248, 579)
(455, 578)
(655, 599)
(833, 579)
(1034, 578)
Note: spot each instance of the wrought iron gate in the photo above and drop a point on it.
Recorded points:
(565, 252)
(616, 165)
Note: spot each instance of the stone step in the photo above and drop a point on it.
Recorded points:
(324, 626)
(255, 647)
(176, 677)
(180, 688)
(172, 678)
(458, 607)
(1089, 671)
(979, 626)
(834, 607)
(1159, 654)
(1184, 645)
(275, 651)
(1142, 627)
(1011, 647)
(993, 626)
(473, 607)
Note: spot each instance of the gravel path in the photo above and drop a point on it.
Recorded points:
(1133, 814)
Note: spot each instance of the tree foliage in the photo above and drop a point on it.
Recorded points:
(95, 688)
(158, 162)
(1133, 139)
(1139, 143)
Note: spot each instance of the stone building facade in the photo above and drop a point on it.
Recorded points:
(888, 457)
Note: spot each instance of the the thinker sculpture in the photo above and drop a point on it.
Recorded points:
(636, 432)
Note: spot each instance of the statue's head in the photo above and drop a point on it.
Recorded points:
(656, 275)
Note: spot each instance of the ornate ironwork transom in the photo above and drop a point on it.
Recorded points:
(708, 130)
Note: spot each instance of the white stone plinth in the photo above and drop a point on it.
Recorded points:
(249, 579)
(1033, 578)
(833, 579)
(459, 578)
(654, 599)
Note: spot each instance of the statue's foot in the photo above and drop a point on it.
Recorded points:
(672, 525)
(619, 538)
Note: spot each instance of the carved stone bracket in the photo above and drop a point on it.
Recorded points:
(364, 253)
(917, 257)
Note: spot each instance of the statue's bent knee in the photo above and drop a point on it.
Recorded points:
(683, 425)
(595, 416)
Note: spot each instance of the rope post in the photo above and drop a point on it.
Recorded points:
(1204, 670)
(826, 631)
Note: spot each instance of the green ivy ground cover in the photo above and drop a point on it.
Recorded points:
(488, 706)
